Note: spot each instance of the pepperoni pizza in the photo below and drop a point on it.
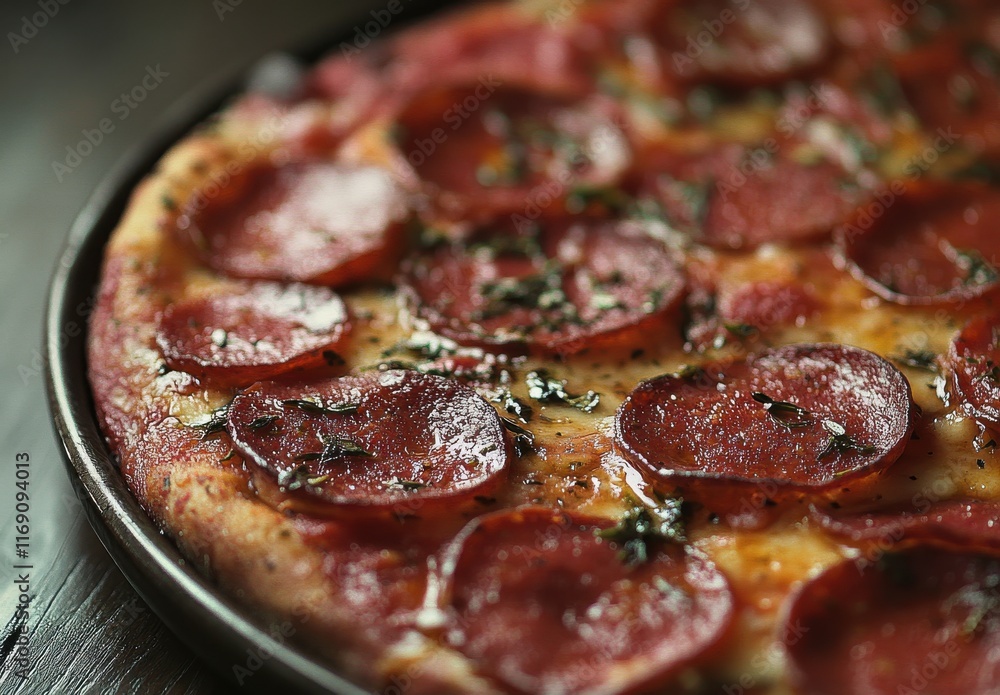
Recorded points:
(595, 346)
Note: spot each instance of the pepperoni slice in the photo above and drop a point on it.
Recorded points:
(540, 603)
(380, 574)
(265, 330)
(720, 312)
(375, 440)
(337, 76)
(768, 303)
(578, 284)
(487, 149)
(923, 620)
(934, 243)
(354, 86)
(974, 366)
(957, 523)
(954, 88)
(317, 222)
(740, 43)
(872, 30)
(499, 41)
(738, 197)
(806, 418)
(937, 61)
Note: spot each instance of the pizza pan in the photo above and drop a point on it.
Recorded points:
(221, 632)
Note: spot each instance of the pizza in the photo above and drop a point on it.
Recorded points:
(587, 347)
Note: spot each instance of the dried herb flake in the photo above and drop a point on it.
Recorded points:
(841, 442)
(513, 405)
(978, 271)
(640, 527)
(404, 485)
(784, 413)
(319, 408)
(334, 448)
(919, 359)
(214, 422)
(259, 423)
(524, 440)
(547, 389)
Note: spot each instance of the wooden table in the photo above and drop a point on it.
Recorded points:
(62, 76)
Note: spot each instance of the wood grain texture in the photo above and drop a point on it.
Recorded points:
(91, 633)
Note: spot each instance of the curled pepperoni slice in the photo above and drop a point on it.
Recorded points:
(496, 40)
(956, 523)
(740, 42)
(577, 284)
(923, 620)
(974, 366)
(317, 222)
(354, 86)
(265, 330)
(799, 418)
(337, 77)
(926, 243)
(738, 197)
(375, 440)
(539, 602)
(488, 149)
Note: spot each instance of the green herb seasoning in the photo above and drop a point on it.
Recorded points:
(544, 388)
(883, 90)
(582, 197)
(984, 57)
(317, 407)
(691, 372)
(430, 345)
(540, 291)
(262, 421)
(986, 172)
(919, 359)
(333, 449)
(992, 373)
(299, 477)
(214, 422)
(841, 442)
(404, 485)
(696, 196)
(294, 478)
(978, 271)
(741, 330)
(784, 413)
(524, 440)
(514, 405)
(981, 602)
(642, 527)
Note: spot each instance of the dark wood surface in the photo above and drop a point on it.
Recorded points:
(88, 631)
